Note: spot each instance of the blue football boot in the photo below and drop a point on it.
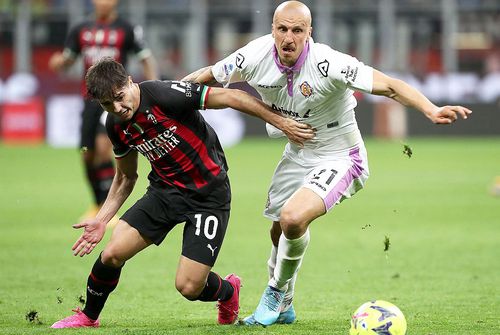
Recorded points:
(268, 310)
(249, 321)
(287, 317)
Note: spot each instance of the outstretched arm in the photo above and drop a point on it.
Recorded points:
(201, 76)
(222, 97)
(149, 68)
(122, 186)
(60, 61)
(407, 95)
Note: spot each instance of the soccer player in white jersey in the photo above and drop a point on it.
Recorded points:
(312, 83)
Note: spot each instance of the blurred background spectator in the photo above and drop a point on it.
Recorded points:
(450, 49)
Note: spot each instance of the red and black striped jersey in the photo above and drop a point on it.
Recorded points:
(95, 40)
(167, 129)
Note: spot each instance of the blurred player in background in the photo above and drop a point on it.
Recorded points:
(312, 83)
(495, 188)
(188, 183)
(108, 35)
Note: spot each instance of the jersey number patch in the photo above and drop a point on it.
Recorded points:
(182, 86)
(321, 174)
(210, 226)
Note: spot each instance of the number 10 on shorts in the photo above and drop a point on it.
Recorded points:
(210, 226)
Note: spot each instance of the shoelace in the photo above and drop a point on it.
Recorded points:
(272, 300)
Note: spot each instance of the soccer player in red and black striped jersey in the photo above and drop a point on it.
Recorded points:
(188, 183)
(104, 35)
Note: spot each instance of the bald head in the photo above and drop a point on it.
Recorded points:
(291, 30)
(294, 9)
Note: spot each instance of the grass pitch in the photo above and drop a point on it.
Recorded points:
(433, 212)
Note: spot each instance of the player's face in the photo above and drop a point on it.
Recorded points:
(290, 30)
(125, 101)
(104, 8)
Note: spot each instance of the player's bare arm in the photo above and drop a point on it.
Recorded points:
(149, 68)
(123, 184)
(202, 76)
(59, 61)
(407, 95)
(295, 131)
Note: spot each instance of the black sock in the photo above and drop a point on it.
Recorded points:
(92, 179)
(104, 177)
(102, 281)
(216, 288)
(100, 179)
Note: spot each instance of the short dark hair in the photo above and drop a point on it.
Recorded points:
(104, 78)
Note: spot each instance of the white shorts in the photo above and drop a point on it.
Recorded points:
(334, 176)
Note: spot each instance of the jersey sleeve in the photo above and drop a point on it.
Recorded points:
(120, 149)
(240, 64)
(226, 71)
(274, 132)
(136, 41)
(72, 47)
(177, 98)
(350, 72)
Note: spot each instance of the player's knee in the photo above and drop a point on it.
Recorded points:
(189, 289)
(292, 223)
(289, 218)
(110, 257)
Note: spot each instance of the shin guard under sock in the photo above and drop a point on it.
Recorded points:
(102, 281)
(216, 288)
(289, 259)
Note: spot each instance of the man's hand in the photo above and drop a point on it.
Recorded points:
(93, 232)
(448, 114)
(297, 132)
(56, 62)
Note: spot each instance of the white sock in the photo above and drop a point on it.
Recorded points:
(271, 264)
(287, 301)
(288, 260)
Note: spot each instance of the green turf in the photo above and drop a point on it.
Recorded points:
(442, 268)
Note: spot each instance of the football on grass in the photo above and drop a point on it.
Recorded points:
(378, 317)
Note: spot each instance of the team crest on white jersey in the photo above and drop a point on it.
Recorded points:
(306, 89)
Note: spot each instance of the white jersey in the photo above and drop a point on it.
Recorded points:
(317, 90)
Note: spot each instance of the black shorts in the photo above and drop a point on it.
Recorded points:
(91, 125)
(160, 210)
